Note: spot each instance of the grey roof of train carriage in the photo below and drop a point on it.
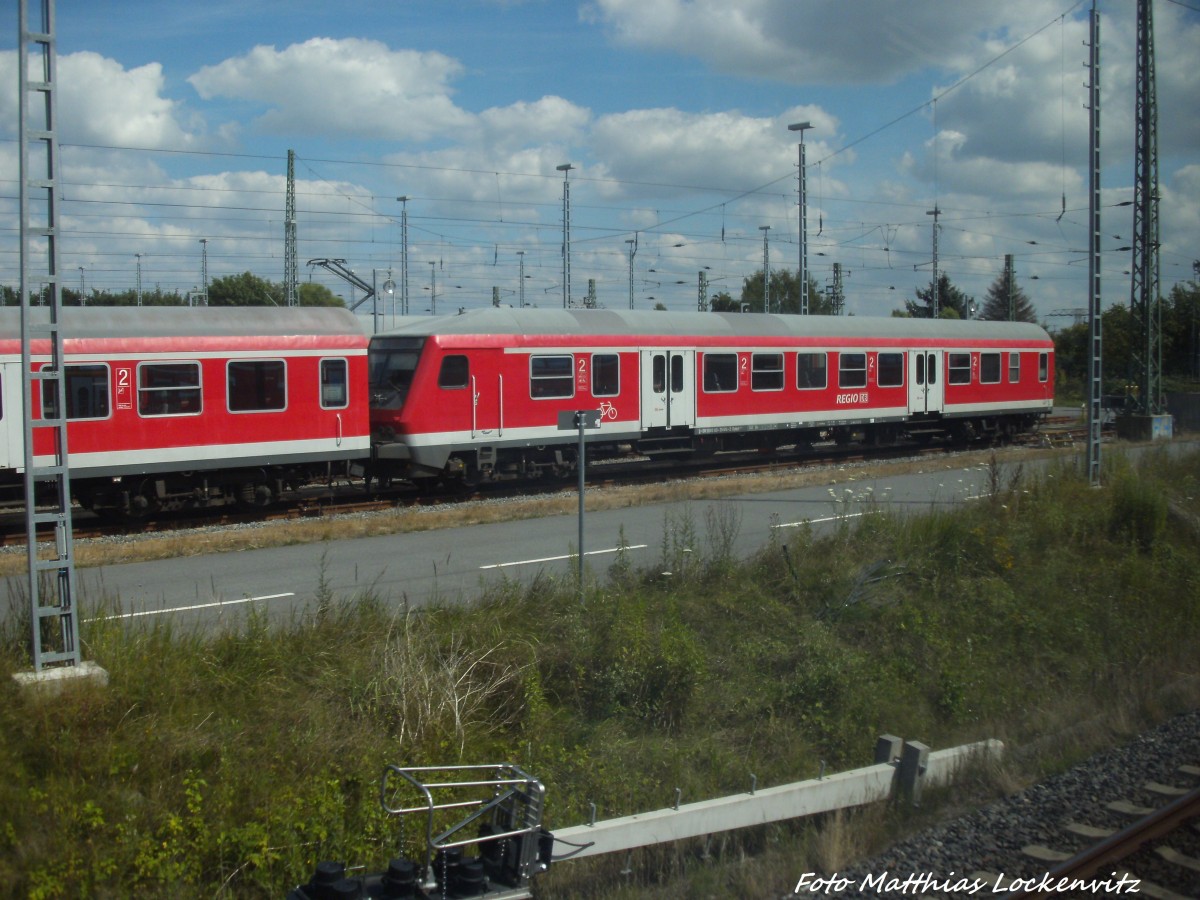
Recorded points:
(506, 320)
(183, 321)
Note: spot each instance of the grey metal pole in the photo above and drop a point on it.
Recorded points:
(580, 421)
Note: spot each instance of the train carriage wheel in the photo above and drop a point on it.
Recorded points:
(141, 499)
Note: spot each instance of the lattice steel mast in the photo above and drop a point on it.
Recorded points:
(290, 276)
(1095, 368)
(1144, 302)
(47, 481)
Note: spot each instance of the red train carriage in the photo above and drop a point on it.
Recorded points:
(174, 407)
(478, 395)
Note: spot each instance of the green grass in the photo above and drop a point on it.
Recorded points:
(227, 763)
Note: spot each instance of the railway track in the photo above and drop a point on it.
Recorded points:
(1123, 822)
(352, 497)
(1142, 856)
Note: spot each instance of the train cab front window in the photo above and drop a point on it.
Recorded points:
(393, 362)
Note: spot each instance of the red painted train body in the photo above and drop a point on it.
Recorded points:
(177, 407)
(172, 408)
(478, 395)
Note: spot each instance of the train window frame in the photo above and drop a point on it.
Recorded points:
(553, 384)
(658, 373)
(174, 397)
(807, 371)
(264, 395)
(71, 372)
(1014, 367)
(766, 371)
(606, 374)
(677, 373)
(894, 369)
(330, 396)
(1043, 367)
(958, 372)
(850, 373)
(716, 365)
(457, 365)
(989, 367)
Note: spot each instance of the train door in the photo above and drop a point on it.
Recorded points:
(12, 425)
(924, 382)
(668, 388)
(487, 406)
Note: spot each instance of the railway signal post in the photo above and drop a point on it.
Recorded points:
(581, 419)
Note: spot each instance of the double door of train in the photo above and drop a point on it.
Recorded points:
(925, 392)
(668, 388)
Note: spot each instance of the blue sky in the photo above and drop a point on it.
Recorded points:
(176, 119)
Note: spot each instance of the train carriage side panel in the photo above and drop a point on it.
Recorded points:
(752, 373)
(280, 402)
(1001, 379)
(319, 413)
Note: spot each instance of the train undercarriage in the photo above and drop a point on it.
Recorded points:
(143, 496)
(468, 466)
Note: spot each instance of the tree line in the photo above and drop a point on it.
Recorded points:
(1180, 326)
(246, 289)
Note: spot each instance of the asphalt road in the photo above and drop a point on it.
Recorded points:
(456, 564)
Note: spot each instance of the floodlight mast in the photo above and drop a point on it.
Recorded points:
(566, 168)
(803, 201)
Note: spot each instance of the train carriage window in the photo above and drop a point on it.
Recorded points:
(1043, 367)
(86, 388)
(551, 376)
(606, 375)
(256, 385)
(334, 384)
(169, 389)
(766, 372)
(720, 373)
(958, 368)
(658, 374)
(812, 371)
(891, 370)
(1014, 368)
(989, 368)
(676, 373)
(852, 370)
(454, 373)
